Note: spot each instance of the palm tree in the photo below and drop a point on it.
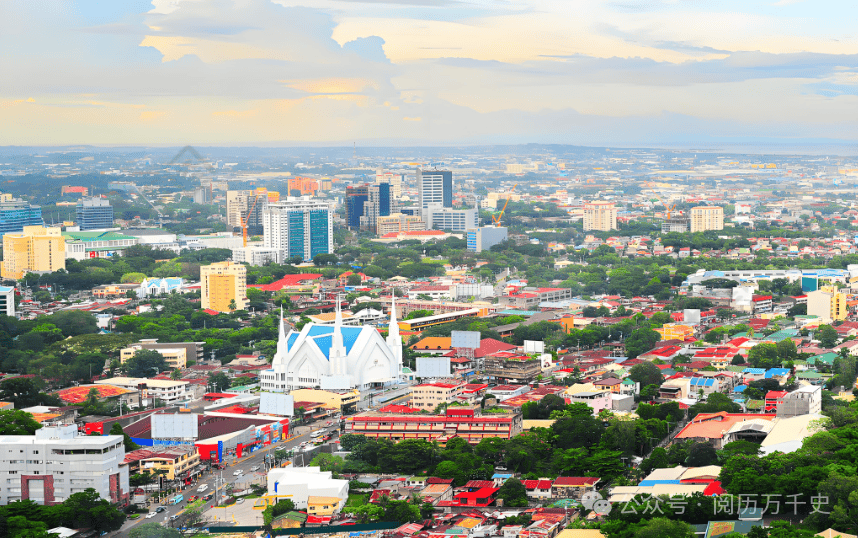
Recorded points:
(232, 306)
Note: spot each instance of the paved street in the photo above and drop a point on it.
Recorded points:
(299, 435)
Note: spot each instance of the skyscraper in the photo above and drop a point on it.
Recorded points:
(380, 203)
(94, 213)
(435, 187)
(299, 227)
(601, 216)
(222, 283)
(356, 197)
(707, 218)
(249, 205)
(394, 179)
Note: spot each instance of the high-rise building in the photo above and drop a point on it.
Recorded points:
(600, 216)
(400, 222)
(707, 218)
(827, 304)
(445, 218)
(380, 203)
(249, 205)
(15, 214)
(299, 227)
(485, 237)
(56, 462)
(7, 301)
(35, 249)
(394, 179)
(304, 186)
(356, 197)
(94, 213)
(202, 195)
(435, 187)
(222, 283)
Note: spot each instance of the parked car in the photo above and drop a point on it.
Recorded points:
(174, 517)
(239, 501)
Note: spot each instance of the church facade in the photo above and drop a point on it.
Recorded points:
(335, 357)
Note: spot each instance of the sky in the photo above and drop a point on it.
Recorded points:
(439, 72)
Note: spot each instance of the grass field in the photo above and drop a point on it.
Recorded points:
(355, 499)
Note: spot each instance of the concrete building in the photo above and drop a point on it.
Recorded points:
(428, 396)
(445, 218)
(707, 218)
(246, 205)
(485, 237)
(379, 203)
(84, 245)
(394, 179)
(464, 422)
(344, 400)
(435, 188)
(803, 401)
(165, 390)
(356, 197)
(300, 483)
(400, 222)
(827, 303)
(34, 249)
(193, 350)
(601, 216)
(507, 367)
(299, 227)
(7, 301)
(176, 357)
(597, 400)
(15, 214)
(56, 462)
(222, 283)
(176, 462)
(94, 213)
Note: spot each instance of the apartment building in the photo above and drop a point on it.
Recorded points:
(299, 227)
(601, 216)
(56, 462)
(429, 396)
(7, 301)
(35, 249)
(827, 303)
(246, 206)
(400, 222)
(176, 357)
(176, 462)
(705, 218)
(464, 422)
(165, 390)
(508, 367)
(222, 283)
(804, 401)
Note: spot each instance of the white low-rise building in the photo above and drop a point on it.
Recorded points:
(166, 390)
(300, 483)
(56, 462)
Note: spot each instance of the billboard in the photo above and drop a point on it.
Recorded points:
(173, 426)
(468, 339)
(272, 403)
(534, 346)
(433, 367)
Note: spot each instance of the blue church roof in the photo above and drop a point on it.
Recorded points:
(321, 335)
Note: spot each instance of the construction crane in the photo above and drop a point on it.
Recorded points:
(497, 220)
(247, 218)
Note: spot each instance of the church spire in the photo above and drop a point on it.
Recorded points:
(394, 341)
(282, 351)
(337, 355)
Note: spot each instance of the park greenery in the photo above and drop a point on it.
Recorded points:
(85, 509)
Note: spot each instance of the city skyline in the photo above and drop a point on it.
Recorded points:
(641, 72)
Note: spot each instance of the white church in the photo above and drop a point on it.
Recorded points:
(335, 357)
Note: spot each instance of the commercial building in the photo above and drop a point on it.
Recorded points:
(485, 237)
(56, 462)
(707, 218)
(397, 223)
(507, 367)
(394, 179)
(246, 206)
(343, 400)
(174, 462)
(356, 197)
(94, 213)
(193, 350)
(600, 216)
(445, 218)
(379, 203)
(165, 390)
(176, 357)
(429, 396)
(299, 227)
(826, 303)
(34, 249)
(300, 483)
(221, 284)
(83, 245)
(15, 214)
(464, 422)
(529, 298)
(302, 186)
(7, 301)
(435, 187)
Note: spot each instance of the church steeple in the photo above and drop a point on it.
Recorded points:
(337, 355)
(394, 341)
(282, 351)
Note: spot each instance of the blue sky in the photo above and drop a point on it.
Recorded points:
(240, 72)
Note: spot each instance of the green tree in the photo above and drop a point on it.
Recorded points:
(89, 510)
(132, 278)
(25, 393)
(328, 462)
(74, 322)
(220, 382)
(130, 445)
(701, 455)
(646, 373)
(153, 530)
(353, 279)
(513, 493)
(641, 340)
(661, 527)
(827, 336)
(17, 423)
(787, 350)
(145, 363)
(273, 511)
(764, 356)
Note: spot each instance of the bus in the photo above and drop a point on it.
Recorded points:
(177, 499)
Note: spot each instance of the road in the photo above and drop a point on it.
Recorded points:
(302, 434)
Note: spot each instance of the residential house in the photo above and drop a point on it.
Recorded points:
(538, 489)
(573, 487)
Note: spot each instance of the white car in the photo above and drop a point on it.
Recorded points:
(237, 473)
(202, 488)
(254, 468)
(151, 515)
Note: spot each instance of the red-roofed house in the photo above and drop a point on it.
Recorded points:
(481, 498)
(288, 281)
(761, 303)
(538, 489)
(665, 353)
(774, 398)
(573, 487)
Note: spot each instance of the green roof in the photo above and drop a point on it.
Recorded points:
(827, 358)
(95, 236)
(809, 375)
(782, 335)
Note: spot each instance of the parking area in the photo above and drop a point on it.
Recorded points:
(235, 514)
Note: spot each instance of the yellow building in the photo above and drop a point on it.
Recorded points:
(176, 462)
(340, 400)
(600, 216)
(176, 357)
(827, 304)
(323, 506)
(222, 283)
(670, 331)
(707, 218)
(36, 248)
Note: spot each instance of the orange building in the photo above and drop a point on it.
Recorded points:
(305, 185)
